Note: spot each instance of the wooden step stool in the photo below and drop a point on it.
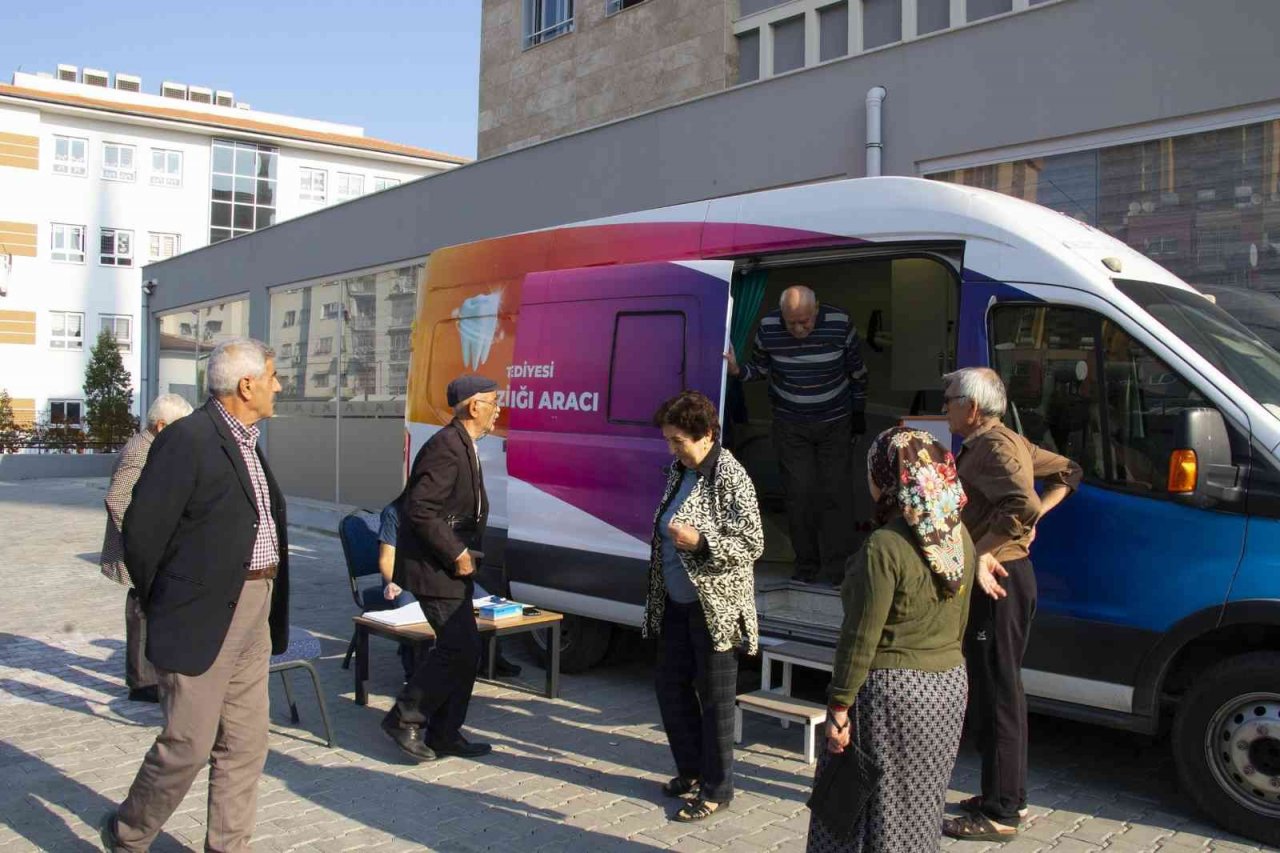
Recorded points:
(786, 708)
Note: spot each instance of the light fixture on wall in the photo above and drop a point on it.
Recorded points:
(6, 267)
(149, 286)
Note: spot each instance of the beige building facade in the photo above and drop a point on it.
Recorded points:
(548, 68)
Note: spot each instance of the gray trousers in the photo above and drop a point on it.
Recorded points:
(217, 719)
(817, 473)
(138, 671)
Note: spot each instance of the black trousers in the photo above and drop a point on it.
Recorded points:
(438, 694)
(696, 687)
(817, 474)
(138, 671)
(994, 645)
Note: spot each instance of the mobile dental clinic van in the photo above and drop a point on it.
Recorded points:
(1159, 581)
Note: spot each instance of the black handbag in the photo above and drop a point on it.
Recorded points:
(843, 789)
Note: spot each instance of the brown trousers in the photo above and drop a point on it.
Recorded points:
(138, 671)
(217, 718)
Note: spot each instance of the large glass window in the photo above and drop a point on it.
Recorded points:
(243, 188)
(1079, 385)
(186, 339)
(1205, 205)
(344, 347)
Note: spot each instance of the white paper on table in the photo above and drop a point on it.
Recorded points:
(410, 614)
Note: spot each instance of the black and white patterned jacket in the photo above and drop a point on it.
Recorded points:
(723, 508)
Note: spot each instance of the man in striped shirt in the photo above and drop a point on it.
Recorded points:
(811, 356)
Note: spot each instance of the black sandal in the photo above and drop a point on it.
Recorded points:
(681, 787)
(978, 827)
(700, 809)
(973, 805)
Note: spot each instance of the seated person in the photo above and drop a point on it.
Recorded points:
(394, 596)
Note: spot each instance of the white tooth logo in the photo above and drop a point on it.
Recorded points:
(478, 326)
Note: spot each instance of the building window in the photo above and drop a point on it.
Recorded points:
(613, 7)
(69, 156)
(166, 168)
(546, 19)
(749, 56)
(68, 243)
(244, 188)
(320, 380)
(350, 186)
(833, 31)
(66, 413)
(324, 346)
(380, 183)
(286, 351)
(329, 311)
(932, 16)
(115, 248)
(311, 184)
(976, 10)
(121, 328)
(290, 319)
(66, 330)
(788, 45)
(118, 162)
(881, 22)
(164, 245)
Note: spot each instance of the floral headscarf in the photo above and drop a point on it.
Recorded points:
(917, 477)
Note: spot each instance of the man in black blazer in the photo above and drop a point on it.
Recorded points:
(442, 517)
(205, 543)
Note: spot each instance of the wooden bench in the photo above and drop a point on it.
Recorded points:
(421, 632)
(773, 704)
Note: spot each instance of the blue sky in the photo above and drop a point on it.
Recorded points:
(405, 70)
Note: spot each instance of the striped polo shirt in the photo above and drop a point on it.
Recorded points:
(814, 379)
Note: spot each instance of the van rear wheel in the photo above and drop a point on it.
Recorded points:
(1226, 743)
(583, 643)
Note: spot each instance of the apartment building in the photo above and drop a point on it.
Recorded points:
(99, 177)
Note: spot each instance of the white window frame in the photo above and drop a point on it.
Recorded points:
(166, 176)
(59, 339)
(64, 160)
(111, 323)
(163, 245)
(78, 424)
(346, 181)
(382, 182)
(116, 257)
(320, 380)
(324, 346)
(72, 250)
(536, 30)
(329, 311)
(119, 172)
(286, 350)
(308, 178)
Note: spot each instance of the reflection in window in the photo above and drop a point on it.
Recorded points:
(1081, 386)
(187, 337)
(1203, 205)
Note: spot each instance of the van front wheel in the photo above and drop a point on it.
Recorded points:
(1226, 743)
(583, 643)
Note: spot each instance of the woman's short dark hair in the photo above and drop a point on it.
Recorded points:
(691, 412)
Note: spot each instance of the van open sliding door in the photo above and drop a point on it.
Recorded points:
(598, 350)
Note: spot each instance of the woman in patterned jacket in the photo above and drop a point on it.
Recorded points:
(898, 684)
(701, 603)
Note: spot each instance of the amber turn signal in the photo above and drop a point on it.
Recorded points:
(1182, 472)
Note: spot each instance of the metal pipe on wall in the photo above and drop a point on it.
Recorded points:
(875, 98)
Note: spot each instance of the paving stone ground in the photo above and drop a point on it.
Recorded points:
(580, 773)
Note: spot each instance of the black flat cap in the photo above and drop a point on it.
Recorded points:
(467, 386)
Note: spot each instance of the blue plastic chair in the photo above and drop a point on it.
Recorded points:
(358, 532)
(303, 648)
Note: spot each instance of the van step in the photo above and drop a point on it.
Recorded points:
(821, 657)
(771, 704)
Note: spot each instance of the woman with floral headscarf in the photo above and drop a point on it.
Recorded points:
(898, 687)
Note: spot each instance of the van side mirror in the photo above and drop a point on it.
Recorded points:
(1200, 469)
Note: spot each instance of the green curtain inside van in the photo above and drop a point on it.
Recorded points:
(748, 292)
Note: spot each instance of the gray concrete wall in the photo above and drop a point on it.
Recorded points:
(36, 466)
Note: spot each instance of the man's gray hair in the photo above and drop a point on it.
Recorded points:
(234, 360)
(167, 408)
(982, 385)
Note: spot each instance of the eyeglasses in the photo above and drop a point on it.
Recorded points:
(947, 401)
(493, 403)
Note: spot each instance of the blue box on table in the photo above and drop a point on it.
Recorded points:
(499, 608)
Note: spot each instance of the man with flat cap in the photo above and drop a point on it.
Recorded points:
(442, 516)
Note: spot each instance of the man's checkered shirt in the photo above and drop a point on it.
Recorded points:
(266, 547)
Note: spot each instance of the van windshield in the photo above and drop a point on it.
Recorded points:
(1215, 335)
